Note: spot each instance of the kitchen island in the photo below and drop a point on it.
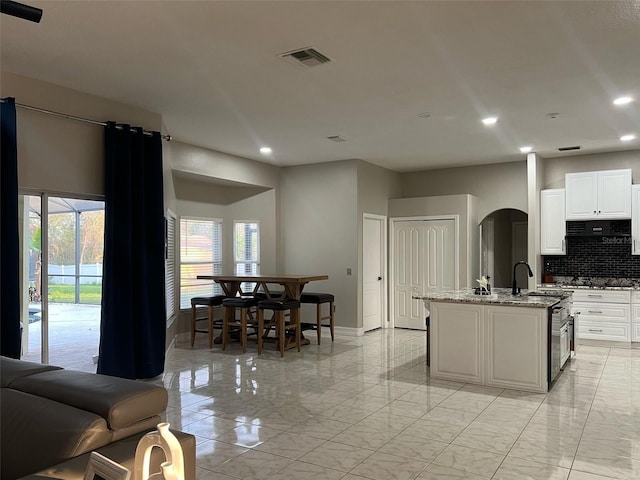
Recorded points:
(501, 340)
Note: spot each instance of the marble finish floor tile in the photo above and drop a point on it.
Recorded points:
(337, 456)
(470, 460)
(253, 465)
(365, 408)
(290, 445)
(300, 470)
(382, 466)
(423, 449)
(517, 468)
(437, 472)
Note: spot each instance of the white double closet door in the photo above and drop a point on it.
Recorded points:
(424, 259)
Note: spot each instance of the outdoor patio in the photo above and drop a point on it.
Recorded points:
(74, 334)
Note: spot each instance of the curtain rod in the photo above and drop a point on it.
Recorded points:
(168, 138)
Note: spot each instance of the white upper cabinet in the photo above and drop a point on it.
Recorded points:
(552, 222)
(598, 195)
(635, 221)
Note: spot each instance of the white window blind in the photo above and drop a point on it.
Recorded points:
(170, 264)
(200, 254)
(246, 248)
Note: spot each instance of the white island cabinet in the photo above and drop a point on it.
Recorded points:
(493, 345)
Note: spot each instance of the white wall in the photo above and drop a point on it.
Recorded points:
(556, 168)
(496, 186)
(319, 230)
(461, 205)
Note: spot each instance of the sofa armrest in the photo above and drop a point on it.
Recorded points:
(121, 402)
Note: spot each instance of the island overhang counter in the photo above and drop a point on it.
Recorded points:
(498, 340)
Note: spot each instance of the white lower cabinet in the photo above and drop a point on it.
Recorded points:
(492, 345)
(603, 315)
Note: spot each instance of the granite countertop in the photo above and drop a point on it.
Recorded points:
(606, 283)
(499, 296)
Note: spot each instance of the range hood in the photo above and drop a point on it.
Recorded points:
(599, 228)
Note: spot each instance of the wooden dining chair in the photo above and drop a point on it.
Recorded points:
(318, 299)
(246, 318)
(282, 324)
(211, 303)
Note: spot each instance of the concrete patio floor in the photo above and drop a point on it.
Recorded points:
(74, 335)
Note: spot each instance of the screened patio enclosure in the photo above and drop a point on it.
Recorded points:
(61, 247)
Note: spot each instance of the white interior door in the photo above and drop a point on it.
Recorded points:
(424, 260)
(373, 234)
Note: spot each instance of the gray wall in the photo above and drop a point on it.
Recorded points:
(496, 186)
(556, 168)
(503, 245)
(319, 230)
(376, 185)
(60, 155)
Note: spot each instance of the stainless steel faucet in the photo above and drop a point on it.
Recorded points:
(514, 287)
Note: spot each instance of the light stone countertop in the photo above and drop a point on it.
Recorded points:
(499, 296)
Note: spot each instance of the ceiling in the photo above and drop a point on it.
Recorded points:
(213, 70)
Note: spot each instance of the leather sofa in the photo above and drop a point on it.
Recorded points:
(49, 415)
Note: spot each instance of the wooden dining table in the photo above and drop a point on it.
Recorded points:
(292, 288)
(292, 284)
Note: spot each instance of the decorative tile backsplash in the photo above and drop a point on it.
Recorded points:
(595, 257)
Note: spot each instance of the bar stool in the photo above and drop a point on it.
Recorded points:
(318, 299)
(280, 307)
(229, 318)
(210, 303)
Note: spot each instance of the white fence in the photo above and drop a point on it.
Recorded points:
(65, 274)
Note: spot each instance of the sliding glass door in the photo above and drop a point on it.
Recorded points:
(61, 278)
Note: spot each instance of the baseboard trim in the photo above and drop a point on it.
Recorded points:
(348, 331)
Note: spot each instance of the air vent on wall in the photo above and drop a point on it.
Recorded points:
(309, 57)
(566, 149)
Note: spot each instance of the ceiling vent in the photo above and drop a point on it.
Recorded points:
(337, 138)
(309, 57)
(566, 149)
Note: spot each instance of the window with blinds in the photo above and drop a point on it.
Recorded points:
(200, 254)
(246, 250)
(170, 263)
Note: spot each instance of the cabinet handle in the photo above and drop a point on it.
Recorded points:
(594, 330)
(563, 250)
(594, 295)
(594, 211)
(599, 211)
(595, 311)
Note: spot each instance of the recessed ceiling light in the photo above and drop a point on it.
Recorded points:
(525, 149)
(490, 120)
(266, 151)
(622, 100)
(628, 138)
